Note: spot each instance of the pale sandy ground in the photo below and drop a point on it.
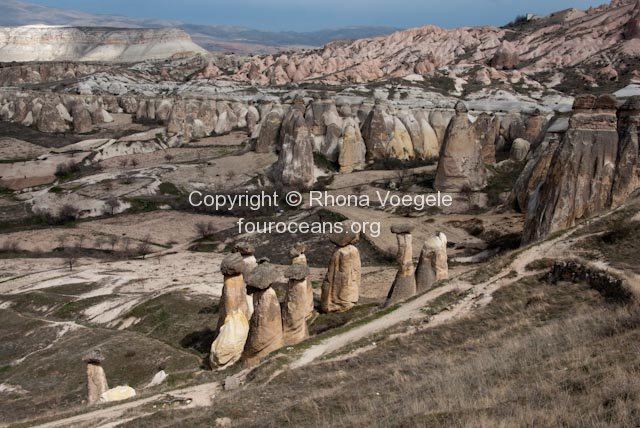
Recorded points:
(19, 175)
(225, 173)
(125, 284)
(167, 228)
(12, 148)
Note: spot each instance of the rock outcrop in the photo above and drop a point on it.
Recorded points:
(404, 284)
(234, 313)
(581, 174)
(270, 131)
(487, 130)
(506, 57)
(353, 150)
(627, 175)
(45, 43)
(377, 131)
(265, 328)
(295, 308)
(341, 285)
(96, 378)
(460, 166)
(295, 166)
(433, 263)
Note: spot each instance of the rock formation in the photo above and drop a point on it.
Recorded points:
(433, 264)
(460, 166)
(377, 132)
(341, 285)
(295, 166)
(404, 285)
(627, 175)
(506, 57)
(632, 29)
(53, 43)
(233, 313)
(487, 129)
(265, 328)
(353, 150)
(96, 378)
(579, 182)
(299, 258)
(270, 131)
(295, 309)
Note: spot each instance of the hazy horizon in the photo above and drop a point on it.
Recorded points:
(292, 15)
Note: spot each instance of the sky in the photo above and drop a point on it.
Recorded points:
(309, 15)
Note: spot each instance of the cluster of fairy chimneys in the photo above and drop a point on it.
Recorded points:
(432, 265)
(252, 321)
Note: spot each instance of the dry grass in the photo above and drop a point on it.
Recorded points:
(538, 355)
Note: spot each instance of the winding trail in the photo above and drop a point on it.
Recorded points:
(201, 396)
(477, 295)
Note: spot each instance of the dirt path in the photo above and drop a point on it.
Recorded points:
(477, 295)
(200, 395)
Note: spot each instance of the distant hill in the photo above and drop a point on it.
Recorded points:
(221, 38)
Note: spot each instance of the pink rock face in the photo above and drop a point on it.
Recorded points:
(563, 40)
(632, 30)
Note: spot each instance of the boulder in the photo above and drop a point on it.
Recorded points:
(158, 379)
(119, 393)
(460, 166)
